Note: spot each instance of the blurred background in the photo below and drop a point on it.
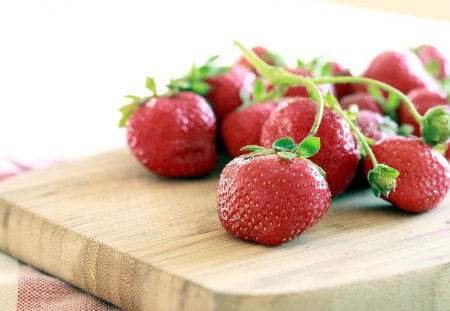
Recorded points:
(65, 65)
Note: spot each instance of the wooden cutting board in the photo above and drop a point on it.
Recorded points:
(141, 242)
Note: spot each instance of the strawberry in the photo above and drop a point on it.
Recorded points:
(434, 62)
(267, 56)
(224, 90)
(400, 70)
(447, 152)
(173, 135)
(339, 154)
(424, 178)
(243, 126)
(364, 101)
(340, 89)
(423, 99)
(222, 86)
(271, 198)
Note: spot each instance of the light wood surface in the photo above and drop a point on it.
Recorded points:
(141, 242)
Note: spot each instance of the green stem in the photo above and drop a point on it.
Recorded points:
(381, 85)
(356, 131)
(278, 76)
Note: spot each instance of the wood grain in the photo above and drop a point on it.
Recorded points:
(141, 242)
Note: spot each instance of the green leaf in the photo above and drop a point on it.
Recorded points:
(200, 87)
(284, 144)
(376, 93)
(432, 67)
(151, 85)
(301, 64)
(127, 111)
(259, 91)
(383, 179)
(308, 147)
(258, 153)
(252, 148)
(286, 155)
(194, 80)
(392, 103)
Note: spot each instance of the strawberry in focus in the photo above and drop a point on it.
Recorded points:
(271, 198)
(173, 135)
(424, 178)
(339, 154)
(423, 99)
(243, 126)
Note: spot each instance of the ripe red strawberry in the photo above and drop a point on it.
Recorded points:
(433, 60)
(263, 53)
(340, 89)
(401, 70)
(243, 127)
(271, 200)
(423, 99)
(339, 154)
(174, 136)
(447, 152)
(364, 101)
(225, 89)
(424, 178)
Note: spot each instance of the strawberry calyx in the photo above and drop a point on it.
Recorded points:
(318, 67)
(435, 126)
(136, 101)
(383, 179)
(194, 80)
(288, 150)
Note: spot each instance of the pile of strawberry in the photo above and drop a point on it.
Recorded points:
(300, 135)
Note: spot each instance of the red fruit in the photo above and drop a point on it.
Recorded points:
(364, 101)
(370, 124)
(427, 54)
(447, 152)
(243, 127)
(225, 90)
(262, 53)
(269, 200)
(338, 155)
(424, 174)
(341, 89)
(423, 100)
(403, 71)
(174, 136)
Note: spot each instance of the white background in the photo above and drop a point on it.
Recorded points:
(65, 65)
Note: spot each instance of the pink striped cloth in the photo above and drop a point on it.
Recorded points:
(25, 288)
